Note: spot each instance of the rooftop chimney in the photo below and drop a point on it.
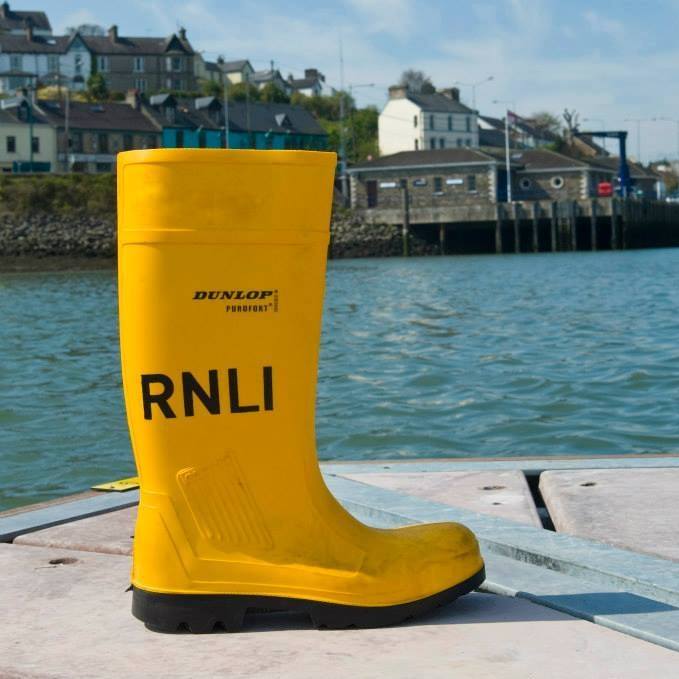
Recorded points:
(133, 99)
(451, 92)
(28, 27)
(311, 73)
(398, 92)
(113, 33)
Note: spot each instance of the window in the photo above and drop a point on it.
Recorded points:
(525, 183)
(140, 84)
(179, 139)
(15, 62)
(102, 142)
(450, 123)
(468, 142)
(415, 121)
(556, 182)
(35, 144)
(170, 114)
(104, 167)
(471, 183)
(468, 123)
(432, 143)
(76, 142)
(459, 143)
(128, 142)
(438, 185)
(173, 63)
(78, 64)
(431, 122)
(102, 63)
(417, 144)
(138, 64)
(52, 63)
(442, 143)
(371, 190)
(11, 143)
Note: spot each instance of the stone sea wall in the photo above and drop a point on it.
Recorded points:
(44, 235)
(352, 237)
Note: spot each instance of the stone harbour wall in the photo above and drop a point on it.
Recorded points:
(43, 235)
(352, 237)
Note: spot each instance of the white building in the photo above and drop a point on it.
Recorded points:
(311, 85)
(29, 58)
(412, 121)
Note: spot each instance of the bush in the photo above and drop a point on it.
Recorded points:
(60, 195)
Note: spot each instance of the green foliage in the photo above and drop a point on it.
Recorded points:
(59, 195)
(243, 91)
(360, 125)
(211, 88)
(273, 95)
(97, 89)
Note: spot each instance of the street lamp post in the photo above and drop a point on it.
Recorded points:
(638, 121)
(672, 120)
(474, 85)
(507, 163)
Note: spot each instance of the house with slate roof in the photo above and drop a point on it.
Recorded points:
(15, 22)
(413, 121)
(29, 58)
(311, 85)
(261, 78)
(27, 141)
(199, 123)
(466, 179)
(143, 63)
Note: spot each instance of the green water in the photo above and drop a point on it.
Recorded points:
(554, 354)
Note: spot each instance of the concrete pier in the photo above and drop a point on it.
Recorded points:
(65, 579)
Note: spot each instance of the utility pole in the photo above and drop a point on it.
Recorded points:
(507, 159)
(67, 132)
(342, 149)
(226, 111)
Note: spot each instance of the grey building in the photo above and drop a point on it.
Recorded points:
(144, 64)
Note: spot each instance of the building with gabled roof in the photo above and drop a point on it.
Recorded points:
(28, 59)
(15, 22)
(143, 63)
(311, 85)
(199, 123)
(412, 121)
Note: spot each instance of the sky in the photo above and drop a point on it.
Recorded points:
(611, 62)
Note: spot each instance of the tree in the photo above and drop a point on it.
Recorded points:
(211, 88)
(416, 81)
(273, 94)
(86, 29)
(97, 89)
(572, 119)
(546, 122)
(243, 91)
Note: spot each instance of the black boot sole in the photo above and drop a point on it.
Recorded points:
(203, 613)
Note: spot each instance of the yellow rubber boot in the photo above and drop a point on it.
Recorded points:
(221, 274)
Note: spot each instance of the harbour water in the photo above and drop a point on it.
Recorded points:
(554, 354)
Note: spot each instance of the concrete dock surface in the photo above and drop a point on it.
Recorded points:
(545, 613)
